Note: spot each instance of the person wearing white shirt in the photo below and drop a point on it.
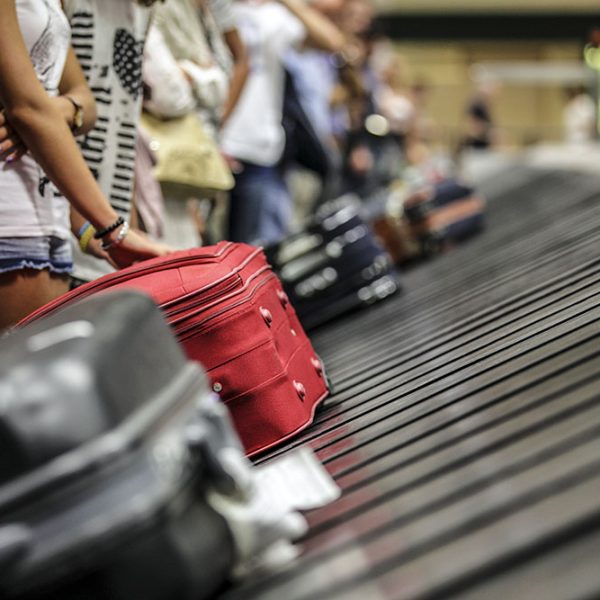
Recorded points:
(253, 137)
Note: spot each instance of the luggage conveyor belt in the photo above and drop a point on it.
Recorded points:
(465, 426)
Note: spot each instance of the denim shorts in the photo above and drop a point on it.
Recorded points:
(47, 252)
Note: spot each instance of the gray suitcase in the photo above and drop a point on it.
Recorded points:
(109, 439)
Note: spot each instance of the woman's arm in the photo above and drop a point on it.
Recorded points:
(39, 123)
(321, 32)
(74, 91)
(171, 93)
(73, 85)
(241, 68)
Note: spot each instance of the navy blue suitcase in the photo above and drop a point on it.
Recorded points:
(426, 200)
(449, 224)
(334, 265)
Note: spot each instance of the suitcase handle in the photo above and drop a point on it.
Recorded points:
(15, 543)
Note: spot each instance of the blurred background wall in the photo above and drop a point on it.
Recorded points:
(531, 49)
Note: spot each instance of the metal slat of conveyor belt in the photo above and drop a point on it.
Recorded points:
(465, 429)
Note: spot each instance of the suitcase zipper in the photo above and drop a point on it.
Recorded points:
(198, 325)
(216, 298)
(235, 271)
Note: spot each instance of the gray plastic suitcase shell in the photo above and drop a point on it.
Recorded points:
(109, 498)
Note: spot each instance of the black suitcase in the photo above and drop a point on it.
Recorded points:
(334, 265)
(109, 440)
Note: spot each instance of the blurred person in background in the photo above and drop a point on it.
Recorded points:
(37, 150)
(253, 137)
(108, 38)
(371, 96)
(403, 105)
(424, 125)
(579, 116)
(211, 215)
(480, 127)
(313, 73)
(351, 96)
(223, 14)
(392, 96)
(188, 69)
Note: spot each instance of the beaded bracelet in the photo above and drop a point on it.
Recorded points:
(102, 232)
(86, 233)
(120, 237)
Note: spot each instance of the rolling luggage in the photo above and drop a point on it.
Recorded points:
(429, 198)
(383, 211)
(228, 310)
(335, 265)
(443, 214)
(112, 444)
(395, 236)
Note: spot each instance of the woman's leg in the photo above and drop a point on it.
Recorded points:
(25, 290)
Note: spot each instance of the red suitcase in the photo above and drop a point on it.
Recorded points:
(229, 312)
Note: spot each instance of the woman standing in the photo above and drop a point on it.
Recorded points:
(35, 255)
(187, 69)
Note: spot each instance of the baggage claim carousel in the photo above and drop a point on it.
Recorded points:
(464, 429)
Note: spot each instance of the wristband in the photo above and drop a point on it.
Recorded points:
(102, 232)
(85, 237)
(119, 239)
(82, 229)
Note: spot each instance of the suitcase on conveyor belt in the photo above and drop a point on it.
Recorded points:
(383, 211)
(444, 213)
(103, 475)
(228, 310)
(334, 265)
(396, 237)
(429, 198)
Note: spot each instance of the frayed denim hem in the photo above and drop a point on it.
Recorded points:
(17, 265)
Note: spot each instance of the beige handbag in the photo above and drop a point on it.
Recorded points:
(186, 154)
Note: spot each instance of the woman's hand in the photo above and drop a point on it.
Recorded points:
(134, 248)
(11, 146)
(94, 248)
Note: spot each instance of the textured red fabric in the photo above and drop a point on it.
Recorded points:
(228, 310)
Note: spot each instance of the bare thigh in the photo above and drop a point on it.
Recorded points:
(23, 291)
